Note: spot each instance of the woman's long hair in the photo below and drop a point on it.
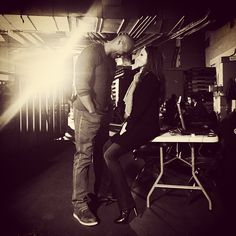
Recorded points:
(155, 65)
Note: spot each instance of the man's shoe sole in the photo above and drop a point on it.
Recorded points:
(84, 223)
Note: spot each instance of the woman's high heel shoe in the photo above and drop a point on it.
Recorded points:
(124, 216)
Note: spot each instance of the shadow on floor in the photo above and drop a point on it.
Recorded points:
(37, 200)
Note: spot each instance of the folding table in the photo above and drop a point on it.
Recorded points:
(178, 138)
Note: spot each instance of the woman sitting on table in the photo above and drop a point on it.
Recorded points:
(141, 124)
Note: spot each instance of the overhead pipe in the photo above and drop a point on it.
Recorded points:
(38, 37)
(55, 22)
(139, 25)
(147, 25)
(197, 29)
(189, 27)
(101, 35)
(121, 25)
(178, 24)
(149, 41)
(146, 37)
(136, 23)
(183, 34)
(95, 38)
(91, 37)
(98, 37)
(32, 22)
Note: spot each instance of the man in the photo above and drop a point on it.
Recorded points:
(95, 70)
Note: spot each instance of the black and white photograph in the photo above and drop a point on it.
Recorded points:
(117, 117)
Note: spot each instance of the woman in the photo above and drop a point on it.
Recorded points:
(141, 123)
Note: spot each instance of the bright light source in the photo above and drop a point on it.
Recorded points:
(44, 71)
(41, 72)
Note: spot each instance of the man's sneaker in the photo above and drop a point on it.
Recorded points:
(85, 216)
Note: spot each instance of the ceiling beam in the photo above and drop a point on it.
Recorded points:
(62, 23)
(4, 23)
(19, 22)
(18, 38)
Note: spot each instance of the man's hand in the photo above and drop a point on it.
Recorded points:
(88, 103)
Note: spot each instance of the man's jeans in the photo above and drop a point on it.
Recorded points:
(91, 132)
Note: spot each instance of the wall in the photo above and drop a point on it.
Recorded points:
(174, 82)
(193, 51)
(192, 55)
(221, 43)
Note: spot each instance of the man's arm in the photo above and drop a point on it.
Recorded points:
(85, 67)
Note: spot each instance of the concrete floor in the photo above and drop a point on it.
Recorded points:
(36, 197)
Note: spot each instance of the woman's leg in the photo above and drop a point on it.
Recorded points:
(121, 188)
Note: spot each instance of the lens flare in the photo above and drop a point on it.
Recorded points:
(44, 69)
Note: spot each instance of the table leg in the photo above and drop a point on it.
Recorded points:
(196, 178)
(158, 178)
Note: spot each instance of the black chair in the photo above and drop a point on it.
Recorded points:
(148, 154)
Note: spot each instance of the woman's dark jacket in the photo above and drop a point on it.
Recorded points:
(143, 122)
